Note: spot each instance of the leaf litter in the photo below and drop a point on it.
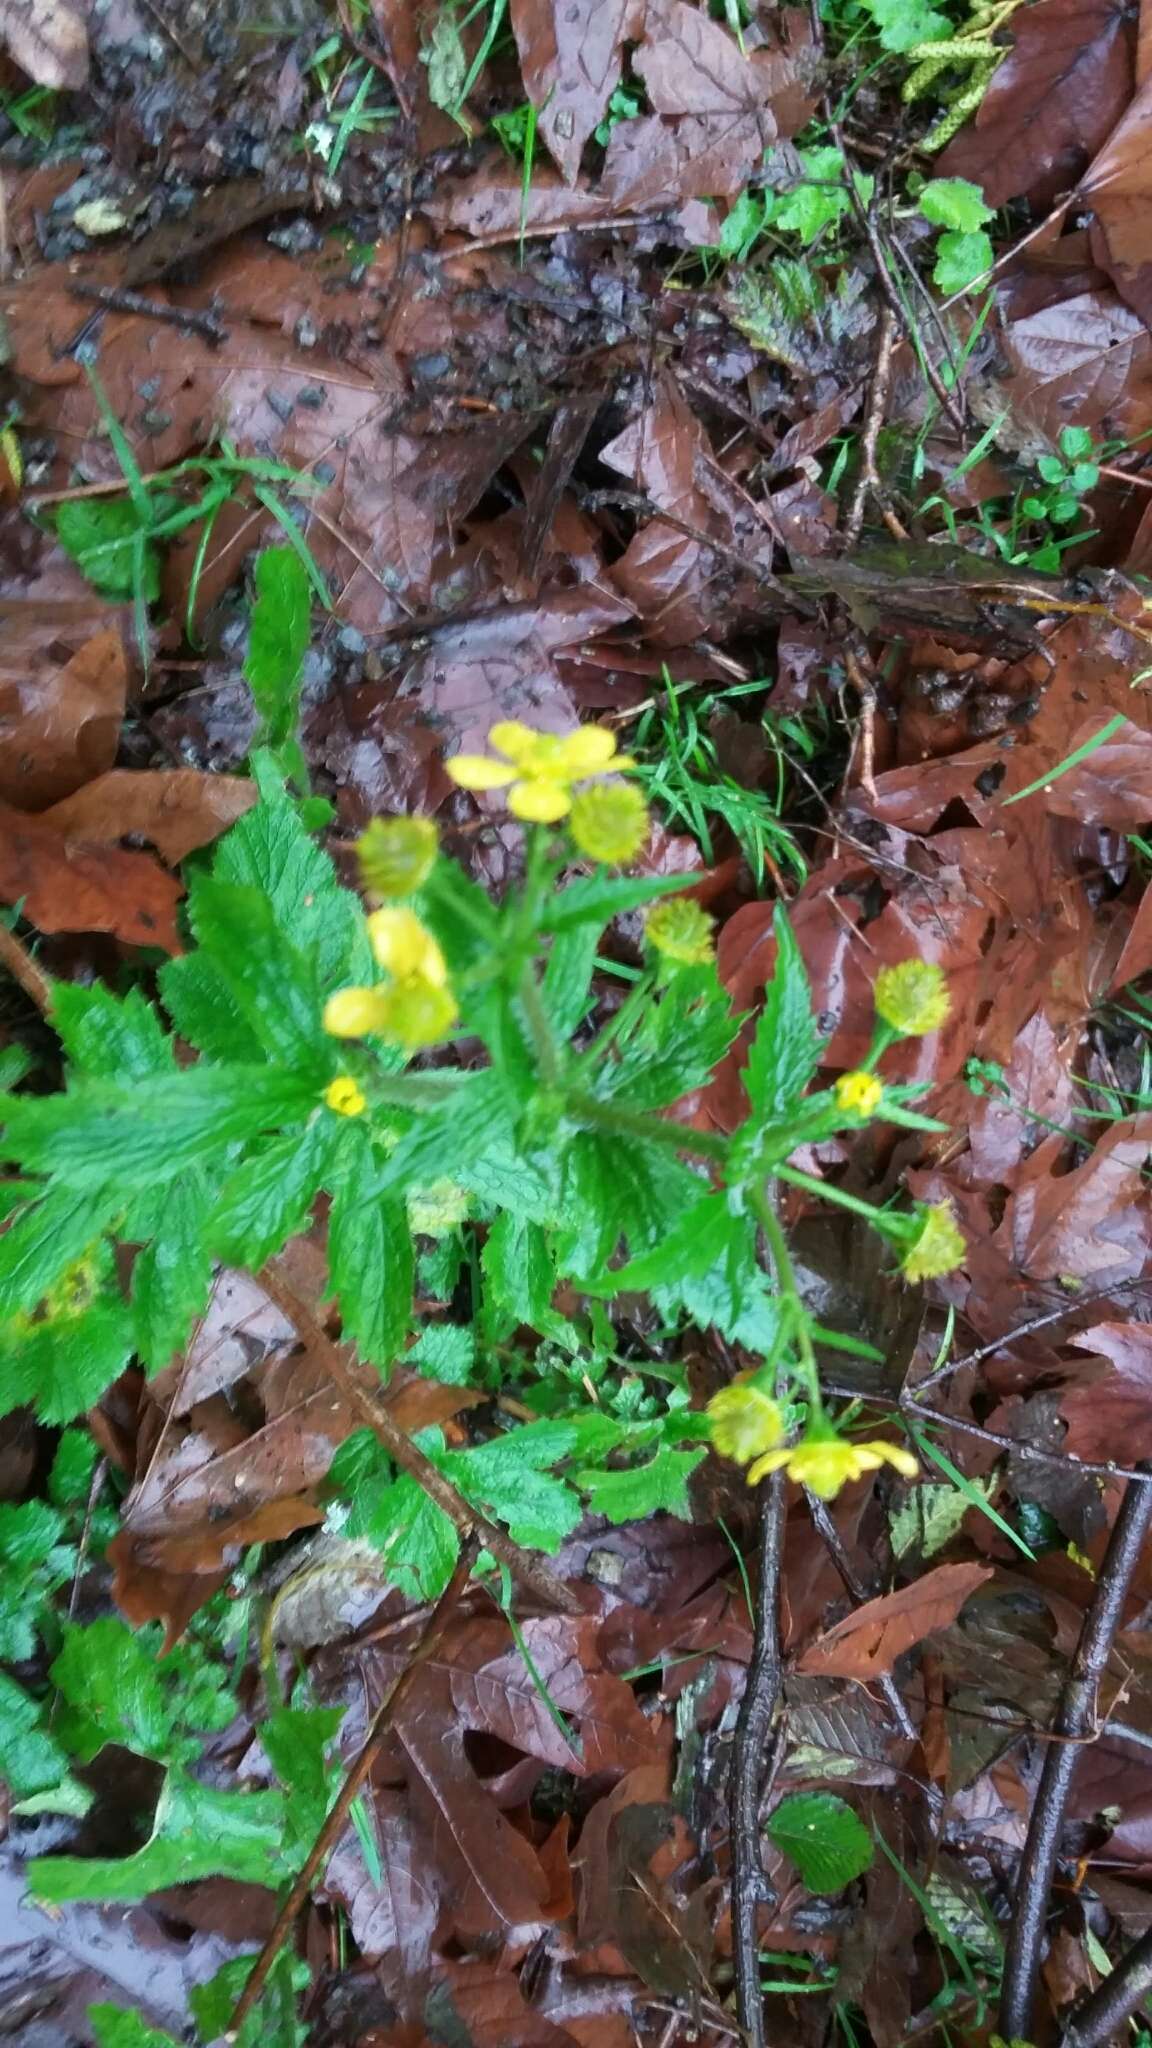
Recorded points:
(569, 417)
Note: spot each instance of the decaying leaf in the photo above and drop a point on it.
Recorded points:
(48, 39)
(868, 1641)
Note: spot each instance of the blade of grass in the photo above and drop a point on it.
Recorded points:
(1071, 760)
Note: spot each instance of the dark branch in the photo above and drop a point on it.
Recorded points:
(750, 1757)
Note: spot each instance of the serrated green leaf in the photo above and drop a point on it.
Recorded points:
(659, 1487)
(520, 1276)
(444, 1352)
(103, 536)
(73, 1463)
(371, 1265)
(680, 1041)
(451, 1136)
(278, 641)
(269, 1198)
(147, 1134)
(47, 1238)
(417, 1542)
(62, 1365)
(600, 898)
(786, 1048)
(173, 1274)
(29, 1532)
(116, 2027)
(204, 1011)
(31, 1761)
(931, 1516)
(115, 1037)
(565, 989)
(617, 1189)
(273, 2022)
(271, 982)
(954, 203)
(824, 1838)
(198, 1831)
(113, 1689)
(508, 1479)
(269, 850)
(904, 23)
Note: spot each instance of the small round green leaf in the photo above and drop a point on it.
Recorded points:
(821, 1835)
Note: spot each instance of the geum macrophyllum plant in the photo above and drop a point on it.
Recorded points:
(483, 1127)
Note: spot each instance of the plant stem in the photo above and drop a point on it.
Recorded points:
(753, 1753)
(828, 1192)
(761, 1201)
(543, 1038)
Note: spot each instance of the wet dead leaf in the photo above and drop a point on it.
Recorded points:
(175, 809)
(66, 885)
(867, 1642)
(571, 58)
(49, 41)
(59, 721)
(1052, 103)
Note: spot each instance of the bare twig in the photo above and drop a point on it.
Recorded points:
(1102, 2017)
(1074, 1722)
(23, 969)
(395, 1697)
(534, 1576)
(750, 1754)
(1040, 1322)
(868, 479)
(865, 689)
(118, 299)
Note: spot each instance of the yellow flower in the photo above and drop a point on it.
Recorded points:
(610, 823)
(913, 997)
(858, 1092)
(353, 1012)
(345, 1097)
(396, 855)
(745, 1422)
(681, 931)
(403, 947)
(938, 1247)
(538, 769)
(824, 1462)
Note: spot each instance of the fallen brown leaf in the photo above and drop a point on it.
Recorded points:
(176, 809)
(64, 885)
(59, 722)
(49, 41)
(867, 1642)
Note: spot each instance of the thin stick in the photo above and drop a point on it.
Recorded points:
(868, 479)
(1073, 1722)
(23, 969)
(1102, 2017)
(865, 689)
(394, 1699)
(1052, 1315)
(530, 1573)
(749, 1761)
(118, 299)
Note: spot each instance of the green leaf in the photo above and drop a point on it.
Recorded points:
(31, 1761)
(808, 209)
(567, 982)
(297, 1741)
(416, 1540)
(509, 1480)
(73, 1463)
(29, 1533)
(269, 1198)
(444, 1352)
(904, 23)
(451, 1136)
(147, 1134)
(115, 2027)
(273, 2022)
(961, 259)
(613, 1189)
(47, 1238)
(931, 1516)
(62, 1365)
(204, 1011)
(278, 641)
(371, 1265)
(197, 1831)
(271, 983)
(111, 1683)
(108, 544)
(954, 203)
(269, 850)
(786, 1048)
(659, 1487)
(173, 1274)
(821, 1835)
(117, 1038)
(600, 898)
(1076, 442)
(520, 1275)
(680, 1040)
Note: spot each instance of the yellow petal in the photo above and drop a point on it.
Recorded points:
(539, 802)
(403, 946)
(770, 1462)
(353, 1012)
(895, 1454)
(517, 741)
(476, 771)
(586, 752)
